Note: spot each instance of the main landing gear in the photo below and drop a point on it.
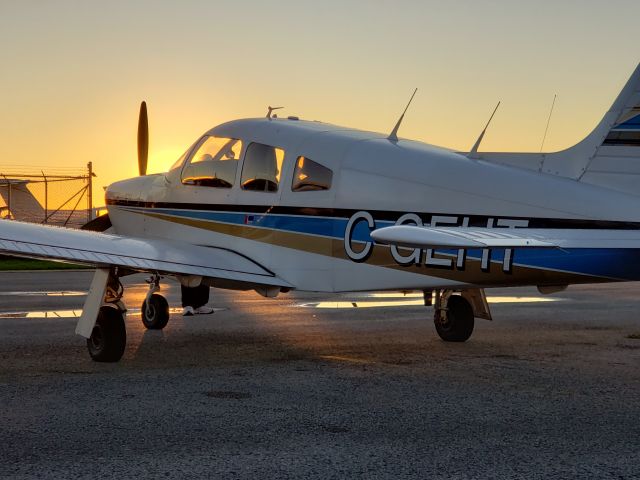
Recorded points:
(107, 335)
(455, 314)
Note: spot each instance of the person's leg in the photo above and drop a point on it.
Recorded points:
(200, 296)
(195, 299)
(187, 296)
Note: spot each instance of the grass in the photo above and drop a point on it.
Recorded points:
(15, 263)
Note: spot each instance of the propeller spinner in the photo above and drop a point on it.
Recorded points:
(143, 139)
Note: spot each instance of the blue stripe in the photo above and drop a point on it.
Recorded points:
(631, 124)
(615, 263)
(328, 227)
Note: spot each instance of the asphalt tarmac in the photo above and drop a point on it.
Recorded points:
(305, 387)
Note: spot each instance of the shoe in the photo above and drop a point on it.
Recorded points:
(203, 310)
(187, 311)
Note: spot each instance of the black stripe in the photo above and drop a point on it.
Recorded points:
(474, 220)
(623, 137)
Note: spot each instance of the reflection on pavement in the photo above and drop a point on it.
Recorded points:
(413, 300)
(76, 313)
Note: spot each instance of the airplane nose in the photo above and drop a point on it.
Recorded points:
(136, 189)
(130, 189)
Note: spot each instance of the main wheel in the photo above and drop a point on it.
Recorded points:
(109, 336)
(457, 326)
(155, 312)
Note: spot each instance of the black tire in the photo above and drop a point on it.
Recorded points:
(155, 315)
(109, 336)
(459, 321)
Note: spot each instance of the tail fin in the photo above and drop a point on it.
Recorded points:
(621, 124)
(613, 148)
(20, 202)
(608, 157)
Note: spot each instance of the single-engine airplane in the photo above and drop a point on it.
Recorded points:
(274, 204)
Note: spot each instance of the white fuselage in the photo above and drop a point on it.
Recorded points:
(306, 238)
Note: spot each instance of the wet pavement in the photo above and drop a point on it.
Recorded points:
(317, 386)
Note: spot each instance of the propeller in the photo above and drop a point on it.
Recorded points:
(143, 139)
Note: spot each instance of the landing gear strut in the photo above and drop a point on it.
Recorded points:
(155, 308)
(454, 323)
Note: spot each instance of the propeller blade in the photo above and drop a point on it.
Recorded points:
(143, 139)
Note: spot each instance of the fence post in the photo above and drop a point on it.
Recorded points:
(90, 192)
(46, 198)
(9, 211)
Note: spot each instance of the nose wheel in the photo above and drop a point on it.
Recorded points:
(155, 312)
(155, 308)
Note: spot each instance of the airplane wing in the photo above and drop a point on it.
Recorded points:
(139, 254)
(461, 237)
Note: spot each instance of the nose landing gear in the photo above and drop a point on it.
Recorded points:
(155, 308)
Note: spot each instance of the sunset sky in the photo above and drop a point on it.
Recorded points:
(74, 72)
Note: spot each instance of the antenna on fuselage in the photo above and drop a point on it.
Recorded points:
(474, 150)
(393, 136)
(271, 109)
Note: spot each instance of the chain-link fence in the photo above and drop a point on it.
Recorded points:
(51, 195)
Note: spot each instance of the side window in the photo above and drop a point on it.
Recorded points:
(214, 163)
(262, 167)
(310, 176)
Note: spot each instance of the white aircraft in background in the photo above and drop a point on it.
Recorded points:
(275, 204)
(19, 202)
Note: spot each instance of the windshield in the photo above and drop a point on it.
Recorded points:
(178, 163)
(213, 163)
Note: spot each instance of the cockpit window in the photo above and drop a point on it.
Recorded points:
(262, 168)
(214, 163)
(310, 176)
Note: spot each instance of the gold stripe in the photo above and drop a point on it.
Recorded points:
(297, 241)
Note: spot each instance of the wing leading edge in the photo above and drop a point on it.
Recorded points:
(141, 254)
